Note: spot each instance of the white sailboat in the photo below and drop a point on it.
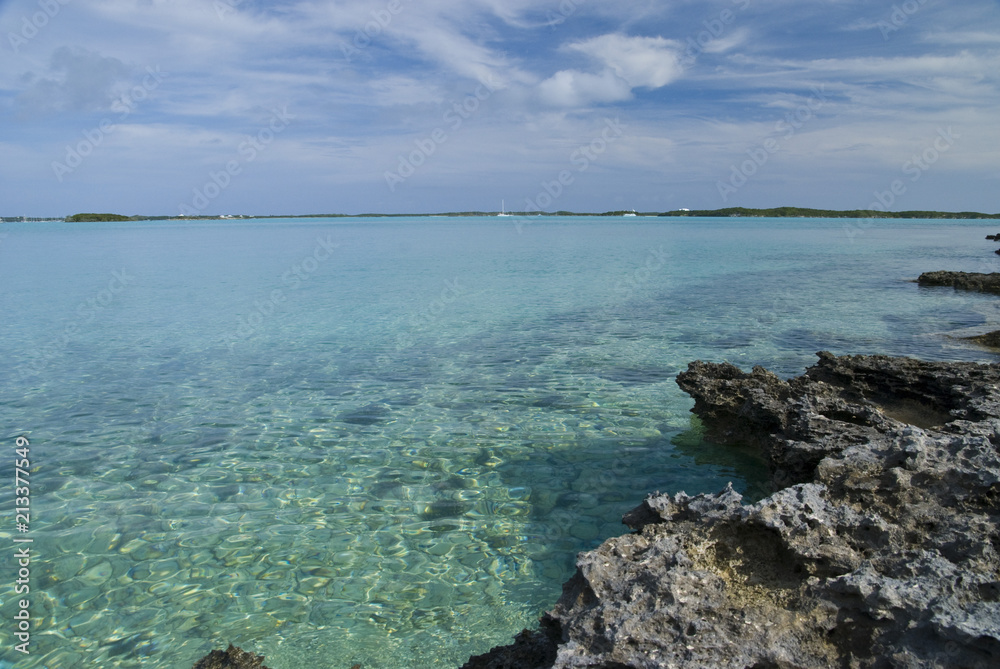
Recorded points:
(502, 212)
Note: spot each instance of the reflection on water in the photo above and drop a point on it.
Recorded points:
(353, 484)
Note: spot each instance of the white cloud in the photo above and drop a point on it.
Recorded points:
(967, 38)
(902, 68)
(627, 62)
(570, 88)
(729, 42)
(355, 116)
(652, 62)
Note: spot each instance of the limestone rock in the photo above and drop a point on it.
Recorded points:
(879, 548)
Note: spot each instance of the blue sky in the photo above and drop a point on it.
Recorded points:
(256, 107)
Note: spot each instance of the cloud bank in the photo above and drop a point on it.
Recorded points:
(493, 99)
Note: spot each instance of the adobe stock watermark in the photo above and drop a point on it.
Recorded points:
(370, 31)
(225, 7)
(715, 28)
(291, 279)
(125, 105)
(451, 292)
(86, 312)
(899, 17)
(656, 259)
(917, 165)
(22, 519)
(566, 9)
(248, 150)
(760, 155)
(31, 26)
(454, 118)
(582, 158)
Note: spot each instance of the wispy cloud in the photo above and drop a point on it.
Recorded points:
(367, 79)
(622, 64)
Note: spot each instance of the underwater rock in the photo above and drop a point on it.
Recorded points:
(991, 339)
(370, 414)
(982, 283)
(530, 650)
(231, 658)
(879, 548)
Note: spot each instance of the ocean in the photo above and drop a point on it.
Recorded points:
(383, 441)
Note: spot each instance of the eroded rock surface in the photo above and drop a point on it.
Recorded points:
(840, 402)
(880, 549)
(983, 283)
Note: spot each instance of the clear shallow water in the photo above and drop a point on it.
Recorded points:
(384, 441)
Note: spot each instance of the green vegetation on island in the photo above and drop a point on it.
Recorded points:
(90, 218)
(803, 212)
(776, 212)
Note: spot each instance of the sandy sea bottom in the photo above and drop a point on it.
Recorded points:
(383, 442)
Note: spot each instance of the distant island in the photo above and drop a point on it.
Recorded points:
(802, 212)
(90, 218)
(729, 212)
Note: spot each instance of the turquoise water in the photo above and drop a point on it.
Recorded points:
(384, 441)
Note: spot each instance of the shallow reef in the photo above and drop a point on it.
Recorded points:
(231, 658)
(879, 547)
(973, 281)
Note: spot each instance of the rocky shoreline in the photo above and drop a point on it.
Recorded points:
(879, 548)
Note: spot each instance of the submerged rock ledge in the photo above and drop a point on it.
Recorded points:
(974, 281)
(879, 549)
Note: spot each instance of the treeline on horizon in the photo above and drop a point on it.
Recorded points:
(803, 212)
(729, 212)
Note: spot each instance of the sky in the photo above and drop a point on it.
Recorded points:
(257, 107)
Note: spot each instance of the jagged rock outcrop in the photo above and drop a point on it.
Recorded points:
(879, 550)
(983, 283)
(835, 404)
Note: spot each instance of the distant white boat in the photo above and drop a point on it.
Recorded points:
(630, 213)
(502, 212)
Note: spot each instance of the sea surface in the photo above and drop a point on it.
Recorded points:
(383, 441)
